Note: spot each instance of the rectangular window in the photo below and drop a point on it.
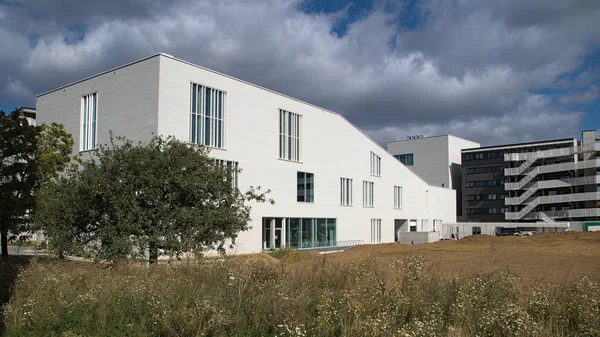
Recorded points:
(207, 116)
(309, 232)
(424, 225)
(232, 169)
(345, 192)
(375, 165)
(368, 194)
(89, 116)
(406, 159)
(436, 224)
(375, 230)
(306, 182)
(413, 225)
(398, 197)
(289, 135)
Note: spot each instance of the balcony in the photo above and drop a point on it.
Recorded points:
(551, 199)
(555, 183)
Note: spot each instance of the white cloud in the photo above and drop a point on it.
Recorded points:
(469, 69)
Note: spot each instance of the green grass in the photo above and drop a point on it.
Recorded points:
(290, 256)
(257, 297)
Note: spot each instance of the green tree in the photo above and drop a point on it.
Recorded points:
(31, 155)
(164, 196)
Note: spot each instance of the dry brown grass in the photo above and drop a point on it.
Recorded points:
(471, 287)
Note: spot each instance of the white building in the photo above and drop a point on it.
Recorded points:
(331, 183)
(436, 159)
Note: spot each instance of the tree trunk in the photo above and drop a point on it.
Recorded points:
(4, 242)
(153, 253)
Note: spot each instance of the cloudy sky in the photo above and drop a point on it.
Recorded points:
(491, 71)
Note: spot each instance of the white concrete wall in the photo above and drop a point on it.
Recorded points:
(430, 158)
(331, 148)
(418, 238)
(127, 103)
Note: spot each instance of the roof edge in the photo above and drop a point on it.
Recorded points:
(102, 73)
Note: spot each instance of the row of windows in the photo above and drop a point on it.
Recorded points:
(207, 125)
(484, 155)
(485, 169)
(472, 211)
(299, 232)
(407, 159)
(483, 183)
(478, 197)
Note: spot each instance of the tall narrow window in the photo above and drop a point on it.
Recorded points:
(289, 135)
(345, 192)
(397, 197)
(89, 109)
(375, 230)
(306, 190)
(232, 169)
(207, 116)
(368, 194)
(375, 165)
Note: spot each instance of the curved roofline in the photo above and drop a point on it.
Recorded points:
(245, 82)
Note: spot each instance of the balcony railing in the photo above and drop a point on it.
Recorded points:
(552, 199)
(555, 183)
(566, 151)
(565, 214)
(563, 167)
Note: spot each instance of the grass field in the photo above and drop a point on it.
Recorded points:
(545, 285)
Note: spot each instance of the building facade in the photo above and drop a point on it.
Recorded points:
(331, 183)
(546, 181)
(436, 159)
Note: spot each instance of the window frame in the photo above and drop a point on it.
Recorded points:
(197, 119)
(305, 190)
(233, 168)
(292, 131)
(375, 230)
(398, 197)
(346, 191)
(375, 165)
(368, 194)
(85, 130)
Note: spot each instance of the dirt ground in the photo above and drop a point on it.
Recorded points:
(551, 257)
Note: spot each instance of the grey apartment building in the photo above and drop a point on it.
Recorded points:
(548, 181)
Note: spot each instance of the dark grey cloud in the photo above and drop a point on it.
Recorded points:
(468, 67)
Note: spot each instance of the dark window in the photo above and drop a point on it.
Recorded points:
(407, 159)
(305, 182)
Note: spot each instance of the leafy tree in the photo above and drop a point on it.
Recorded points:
(164, 196)
(31, 155)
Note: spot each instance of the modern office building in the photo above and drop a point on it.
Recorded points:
(436, 159)
(546, 181)
(331, 183)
